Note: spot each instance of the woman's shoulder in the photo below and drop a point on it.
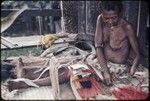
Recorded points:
(125, 23)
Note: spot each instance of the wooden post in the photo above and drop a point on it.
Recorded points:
(130, 12)
(81, 17)
(92, 12)
(70, 17)
(142, 34)
(88, 12)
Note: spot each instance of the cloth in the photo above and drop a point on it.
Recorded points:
(113, 67)
(117, 68)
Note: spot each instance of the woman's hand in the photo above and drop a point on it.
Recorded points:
(132, 70)
(107, 77)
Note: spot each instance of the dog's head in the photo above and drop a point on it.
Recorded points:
(7, 71)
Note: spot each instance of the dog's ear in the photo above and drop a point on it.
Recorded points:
(9, 67)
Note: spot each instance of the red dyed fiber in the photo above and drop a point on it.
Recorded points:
(129, 93)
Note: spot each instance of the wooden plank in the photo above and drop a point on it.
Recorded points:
(33, 12)
(27, 41)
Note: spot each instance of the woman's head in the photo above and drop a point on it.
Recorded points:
(111, 11)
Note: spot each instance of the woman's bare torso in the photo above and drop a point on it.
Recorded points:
(116, 45)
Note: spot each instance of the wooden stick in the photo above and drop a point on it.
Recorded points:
(53, 48)
(54, 64)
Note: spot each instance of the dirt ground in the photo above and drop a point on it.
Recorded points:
(41, 93)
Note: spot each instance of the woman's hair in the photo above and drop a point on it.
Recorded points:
(111, 5)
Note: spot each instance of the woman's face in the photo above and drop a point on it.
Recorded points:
(110, 18)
